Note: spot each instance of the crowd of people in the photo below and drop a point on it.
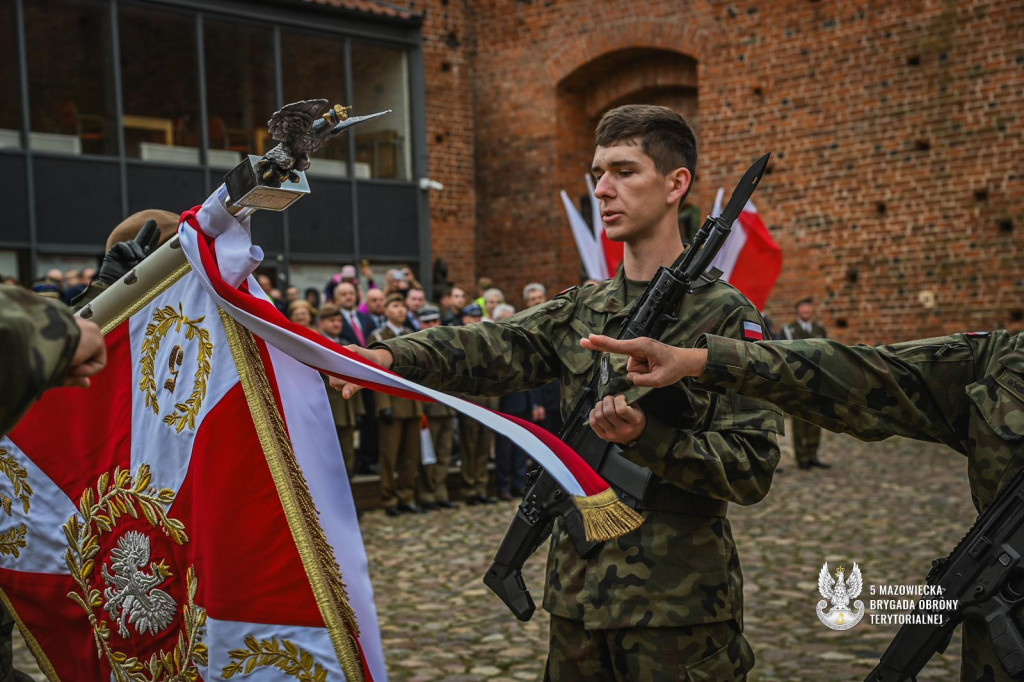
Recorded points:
(381, 434)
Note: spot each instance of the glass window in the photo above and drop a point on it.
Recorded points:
(71, 91)
(159, 70)
(318, 71)
(381, 81)
(10, 83)
(239, 89)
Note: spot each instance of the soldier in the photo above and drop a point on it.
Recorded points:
(43, 346)
(664, 602)
(399, 420)
(806, 436)
(475, 439)
(965, 390)
(346, 412)
(433, 485)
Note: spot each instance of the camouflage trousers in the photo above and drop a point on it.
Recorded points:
(980, 663)
(806, 438)
(715, 652)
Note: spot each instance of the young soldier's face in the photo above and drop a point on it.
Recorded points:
(635, 198)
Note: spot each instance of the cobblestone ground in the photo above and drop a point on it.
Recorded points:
(892, 507)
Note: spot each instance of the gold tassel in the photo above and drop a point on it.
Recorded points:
(605, 516)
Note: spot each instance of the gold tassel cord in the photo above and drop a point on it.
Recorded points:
(605, 516)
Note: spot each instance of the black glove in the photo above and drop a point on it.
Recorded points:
(123, 256)
(386, 416)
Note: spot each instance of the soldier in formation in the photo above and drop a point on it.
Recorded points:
(964, 390)
(664, 602)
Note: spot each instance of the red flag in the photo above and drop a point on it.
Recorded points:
(750, 260)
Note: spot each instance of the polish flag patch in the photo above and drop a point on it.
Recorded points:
(752, 331)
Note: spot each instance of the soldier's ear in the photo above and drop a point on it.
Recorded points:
(678, 182)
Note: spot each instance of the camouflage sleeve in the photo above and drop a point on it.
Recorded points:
(487, 358)
(731, 455)
(911, 389)
(38, 339)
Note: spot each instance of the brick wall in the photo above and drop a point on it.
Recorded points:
(895, 189)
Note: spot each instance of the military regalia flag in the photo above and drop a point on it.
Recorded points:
(188, 516)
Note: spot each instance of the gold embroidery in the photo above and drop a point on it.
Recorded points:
(116, 496)
(13, 540)
(146, 298)
(303, 517)
(289, 659)
(163, 320)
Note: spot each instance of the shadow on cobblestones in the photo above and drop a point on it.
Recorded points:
(891, 507)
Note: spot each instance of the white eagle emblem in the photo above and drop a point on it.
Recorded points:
(840, 591)
(132, 595)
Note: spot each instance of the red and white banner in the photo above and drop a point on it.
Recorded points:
(168, 512)
(750, 260)
(189, 512)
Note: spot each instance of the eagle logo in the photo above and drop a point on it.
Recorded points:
(840, 590)
(132, 596)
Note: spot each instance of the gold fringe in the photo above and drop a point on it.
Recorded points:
(605, 517)
(303, 516)
(33, 644)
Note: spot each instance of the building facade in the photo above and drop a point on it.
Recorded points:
(113, 106)
(894, 188)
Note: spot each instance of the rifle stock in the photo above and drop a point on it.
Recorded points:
(984, 574)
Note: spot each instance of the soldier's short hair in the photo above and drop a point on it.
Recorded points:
(802, 301)
(393, 298)
(660, 132)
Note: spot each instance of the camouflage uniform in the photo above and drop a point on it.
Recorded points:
(806, 436)
(677, 571)
(38, 339)
(965, 390)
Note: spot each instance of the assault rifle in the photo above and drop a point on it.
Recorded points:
(544, 499)
(983, 574)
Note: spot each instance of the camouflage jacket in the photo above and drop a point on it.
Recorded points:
(675, 569)
(964, 390)
(919, 389)
(38, 339)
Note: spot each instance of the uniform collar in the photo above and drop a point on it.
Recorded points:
(609, 296)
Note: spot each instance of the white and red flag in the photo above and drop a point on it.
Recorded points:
(188, 515)
(750, 260)
(600, 255)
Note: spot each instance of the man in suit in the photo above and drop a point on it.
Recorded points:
(806, 437)
(356, 326)
(399, 420)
